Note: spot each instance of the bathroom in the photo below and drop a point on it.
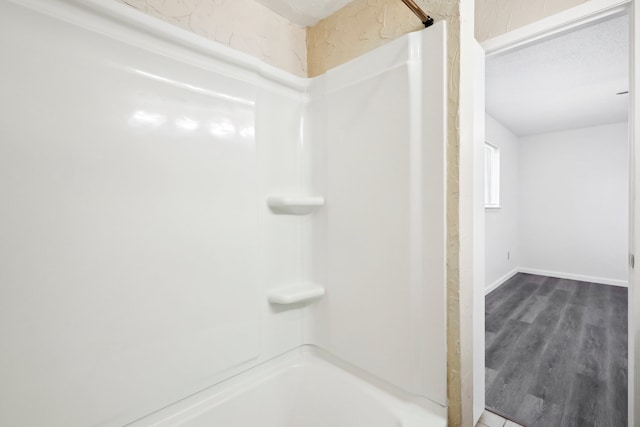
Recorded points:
(224, 205)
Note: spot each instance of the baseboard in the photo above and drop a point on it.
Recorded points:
(601, 280)
(501, 280)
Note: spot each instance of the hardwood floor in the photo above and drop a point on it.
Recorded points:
(556, 352)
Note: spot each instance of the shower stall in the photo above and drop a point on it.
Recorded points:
(191, 237)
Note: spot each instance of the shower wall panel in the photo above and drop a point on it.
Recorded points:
(135, 246)
(378, 246)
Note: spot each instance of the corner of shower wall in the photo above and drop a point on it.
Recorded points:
(314, 178)
(279, 139)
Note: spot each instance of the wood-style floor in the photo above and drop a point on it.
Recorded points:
(556, 352)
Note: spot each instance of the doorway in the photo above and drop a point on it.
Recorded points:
(578, 19)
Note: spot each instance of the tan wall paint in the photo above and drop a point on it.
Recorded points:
(241, 24)
(362, 26)
(495, 17)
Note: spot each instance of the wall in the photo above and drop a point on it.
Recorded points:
(502, 244)
(495, 17)
(251, 28)
(137, 253)
(363, 25)
(244, 25)
(139, 250)
(574, 203)
(379, 242)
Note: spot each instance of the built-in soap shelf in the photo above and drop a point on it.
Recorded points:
(294, 205)
(295, 294)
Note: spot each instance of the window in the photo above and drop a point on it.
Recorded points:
(491, 176)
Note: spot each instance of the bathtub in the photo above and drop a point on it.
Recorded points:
(300, 389)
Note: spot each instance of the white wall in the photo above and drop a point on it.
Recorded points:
(136, 249)
(574, 203)
(379, 240)
(563, 205)
(501, 246)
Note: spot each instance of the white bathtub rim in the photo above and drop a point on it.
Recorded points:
(410, 409)
(317, 352)
(220, 392)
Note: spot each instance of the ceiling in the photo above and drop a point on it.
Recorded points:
(304, 12)
(566, 82)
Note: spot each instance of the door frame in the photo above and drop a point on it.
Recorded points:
(574, 18)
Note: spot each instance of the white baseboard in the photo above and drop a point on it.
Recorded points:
(601, 280)
(591, 279)
(501, 280)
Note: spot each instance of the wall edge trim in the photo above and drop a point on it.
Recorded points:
(571, 18)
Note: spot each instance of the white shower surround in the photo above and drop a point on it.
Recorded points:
(299, 389)
(139, 249)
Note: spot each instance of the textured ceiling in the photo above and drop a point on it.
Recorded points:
(566, 82)
(304, 12)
